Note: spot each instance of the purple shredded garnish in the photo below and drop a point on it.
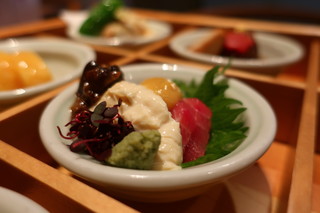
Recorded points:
(95, 133)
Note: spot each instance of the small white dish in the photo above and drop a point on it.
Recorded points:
(274, 50)
(65, 59)
(162, 186)
(158, 30)
(13, 202)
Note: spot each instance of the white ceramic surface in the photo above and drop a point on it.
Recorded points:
(65, 59)
(274, 50)
(158, 30)
(13, 202)
(155, 186)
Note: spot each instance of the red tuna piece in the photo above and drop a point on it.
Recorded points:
(239, 44)
(195, 123)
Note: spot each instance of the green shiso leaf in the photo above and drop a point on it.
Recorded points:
(227, 130)
(187, 89)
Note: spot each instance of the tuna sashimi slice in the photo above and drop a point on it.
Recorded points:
(195, 123)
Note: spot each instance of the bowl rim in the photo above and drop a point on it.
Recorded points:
(12, 201)
(137, 179)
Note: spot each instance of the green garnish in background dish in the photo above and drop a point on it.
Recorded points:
(102, 14)
(226, 132)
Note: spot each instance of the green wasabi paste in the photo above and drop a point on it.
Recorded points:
(136, 151)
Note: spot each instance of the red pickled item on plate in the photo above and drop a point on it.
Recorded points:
(195, 123)
(239, 44)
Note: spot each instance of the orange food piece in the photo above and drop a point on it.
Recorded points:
(9, 78)
(212, 44)
(165, 88)
(22, 69)
(32, 69)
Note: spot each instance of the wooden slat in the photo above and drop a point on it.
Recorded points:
(31, 28)
(112, 50)
(11, 111)
(79, 192)
(302, 179)
(218, 21)
(230, 72)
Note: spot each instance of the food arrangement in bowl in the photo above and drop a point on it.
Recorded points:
(254, 51)
(151, 125)
(111, 23)
(120, 126)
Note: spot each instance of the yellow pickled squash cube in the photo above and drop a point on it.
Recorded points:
(31, 69)
(165, 88)
(9, 77)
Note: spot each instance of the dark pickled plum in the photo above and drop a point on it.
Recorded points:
(95, 80)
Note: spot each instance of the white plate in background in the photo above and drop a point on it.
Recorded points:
(65, 60)
(13, 202)
(274, 50)
(158, 31)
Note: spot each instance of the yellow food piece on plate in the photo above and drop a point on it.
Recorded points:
(32, 69)
(22, 69)
(9, 78)
(165, 88)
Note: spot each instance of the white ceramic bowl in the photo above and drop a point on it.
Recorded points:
(155, 186)
(12, 202)
(65, 59)
(275, 51)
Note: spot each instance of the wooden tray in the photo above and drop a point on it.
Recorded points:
(285, 179)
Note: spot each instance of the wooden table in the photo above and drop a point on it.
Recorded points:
(285, 179)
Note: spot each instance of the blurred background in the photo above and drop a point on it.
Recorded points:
(302, 11)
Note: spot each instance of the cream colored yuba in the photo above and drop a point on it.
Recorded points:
(138, 103)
